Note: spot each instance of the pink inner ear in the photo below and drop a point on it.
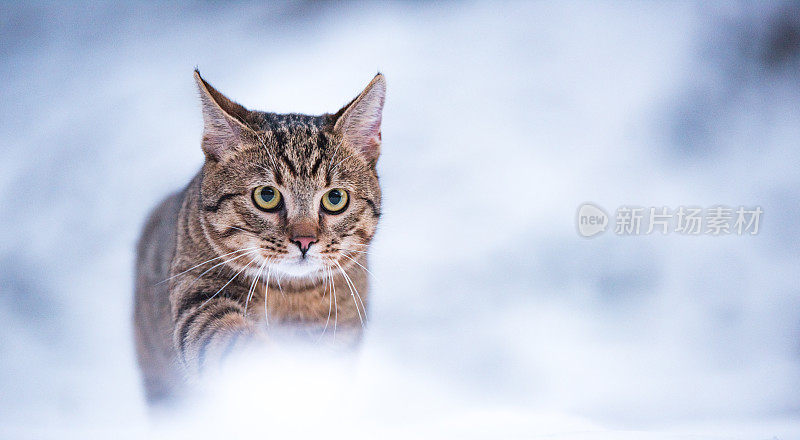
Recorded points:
(219, 135)
(361, 121)
(373, 130)
(363, 131)
(370, 142)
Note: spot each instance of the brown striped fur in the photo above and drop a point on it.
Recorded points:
(192, 286)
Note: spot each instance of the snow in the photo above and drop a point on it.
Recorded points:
(491, 317)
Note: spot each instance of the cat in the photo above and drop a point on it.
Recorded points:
(269, 238)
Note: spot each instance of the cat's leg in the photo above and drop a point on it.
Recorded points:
(207, 331)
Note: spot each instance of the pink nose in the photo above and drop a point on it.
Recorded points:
(304, 243)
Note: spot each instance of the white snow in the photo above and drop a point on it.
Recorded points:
(491, 317)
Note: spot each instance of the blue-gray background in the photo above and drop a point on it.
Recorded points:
(500, 120)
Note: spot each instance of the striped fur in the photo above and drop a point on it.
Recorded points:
(215, 274)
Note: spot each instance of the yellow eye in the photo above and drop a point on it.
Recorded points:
(334, 201)
(266, 198)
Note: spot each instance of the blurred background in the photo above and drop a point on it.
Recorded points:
(490, 315)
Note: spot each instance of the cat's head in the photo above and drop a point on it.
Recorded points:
(293, 192)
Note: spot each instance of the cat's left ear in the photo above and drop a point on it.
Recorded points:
(360, 121)
(223, 125)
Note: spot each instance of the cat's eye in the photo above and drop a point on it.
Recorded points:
(334, 201)
(267, 198)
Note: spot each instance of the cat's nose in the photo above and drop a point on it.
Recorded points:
(304, 243)
(303, 233)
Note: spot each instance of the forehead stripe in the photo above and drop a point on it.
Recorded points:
(317, 163)
(288, 163)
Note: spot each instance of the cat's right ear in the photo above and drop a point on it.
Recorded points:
(222, 121)
(360, 121)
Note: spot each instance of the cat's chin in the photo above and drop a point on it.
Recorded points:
(298, 269)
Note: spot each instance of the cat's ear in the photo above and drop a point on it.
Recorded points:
(222, 121)
(359, 122)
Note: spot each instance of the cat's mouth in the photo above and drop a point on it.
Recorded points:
(299, 266)
(308, 266)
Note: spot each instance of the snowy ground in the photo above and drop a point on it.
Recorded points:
(491, 317)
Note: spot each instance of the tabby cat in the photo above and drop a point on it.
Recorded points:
(269, 239)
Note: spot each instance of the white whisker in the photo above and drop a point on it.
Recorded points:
(272, 159)
(340, 162)
(360, 265)
(363, 307)
(253, 286)
(220, 264)
(335, 306)
(229, 281)
(278, 280)
(266, 297)
(328, 279)
(333, 156)
(352, 293)
(353, 250)
(206, 262)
